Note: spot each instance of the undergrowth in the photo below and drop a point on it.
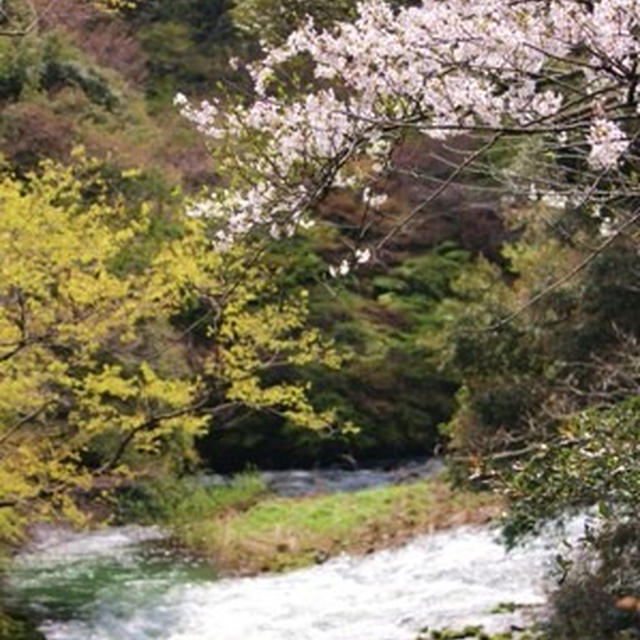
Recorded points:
(175, 502)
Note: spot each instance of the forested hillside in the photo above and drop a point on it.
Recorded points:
(105, 82)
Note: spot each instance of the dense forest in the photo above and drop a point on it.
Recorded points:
(454, 282)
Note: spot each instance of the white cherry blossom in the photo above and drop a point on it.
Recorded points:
(363, 255)
(608, 143)
(440, 68)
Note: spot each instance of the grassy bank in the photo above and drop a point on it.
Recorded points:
(246, 531)
(176, 503)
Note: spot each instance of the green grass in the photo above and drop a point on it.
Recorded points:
(276, 534)
(175, 502)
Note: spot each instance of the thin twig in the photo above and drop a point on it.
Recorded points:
(567, 276)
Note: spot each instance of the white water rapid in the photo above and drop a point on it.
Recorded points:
(449, 579)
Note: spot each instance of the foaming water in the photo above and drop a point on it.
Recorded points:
(450, 578)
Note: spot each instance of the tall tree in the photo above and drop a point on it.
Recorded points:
(95, 376)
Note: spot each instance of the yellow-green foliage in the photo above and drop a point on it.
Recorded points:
(252, 332)
(65, 319)
(77, 364)
(255, 340)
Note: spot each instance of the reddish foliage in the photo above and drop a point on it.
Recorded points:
(105, 38)
(32, 133)
(192, 163)
(461, 212)
(386, 316)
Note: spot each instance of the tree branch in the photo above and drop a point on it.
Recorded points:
(567, 276)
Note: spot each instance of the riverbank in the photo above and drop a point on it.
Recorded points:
(243, 529)
(237, 528)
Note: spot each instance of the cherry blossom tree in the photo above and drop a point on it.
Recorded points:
(553, 82)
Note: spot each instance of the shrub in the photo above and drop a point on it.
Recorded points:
(177, 501)
(17, 65)
(598, 598)
(104, 37)
(31, 132)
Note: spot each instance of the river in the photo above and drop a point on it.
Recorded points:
(123, 584)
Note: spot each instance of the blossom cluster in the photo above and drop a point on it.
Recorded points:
(562, 67)
(608, 142)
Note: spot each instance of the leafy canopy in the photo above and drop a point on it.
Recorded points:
(94, 378)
